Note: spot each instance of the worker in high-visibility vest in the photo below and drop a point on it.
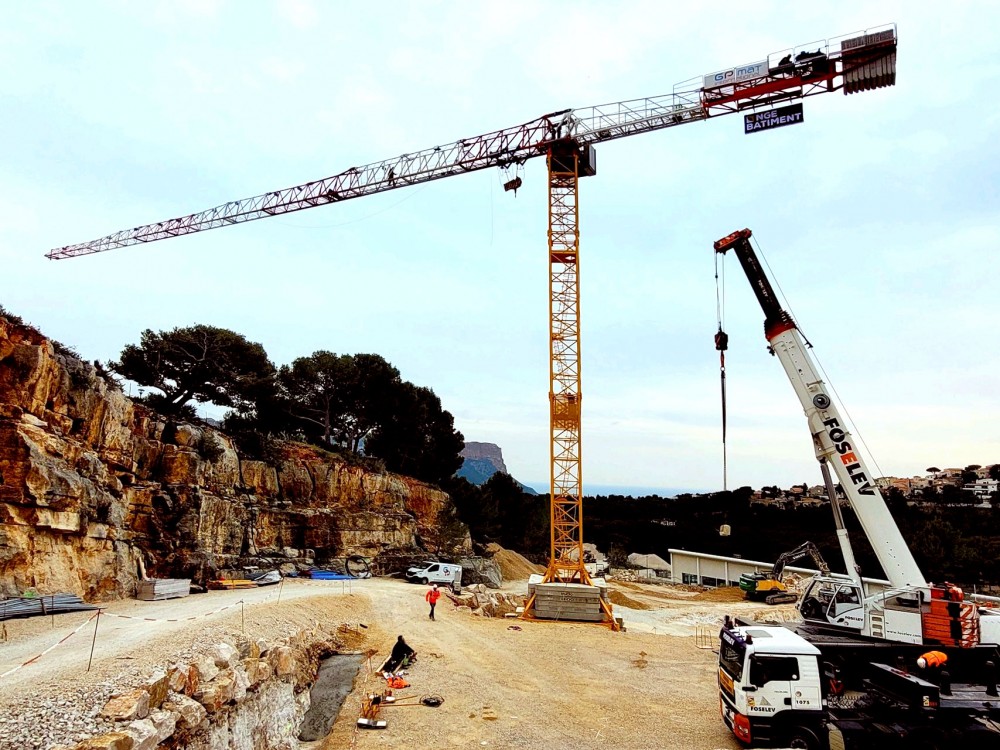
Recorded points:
(932, 661)
(432, 597)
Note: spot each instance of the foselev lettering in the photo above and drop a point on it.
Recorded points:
(848, 457)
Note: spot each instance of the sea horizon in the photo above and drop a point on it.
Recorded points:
(592, 490)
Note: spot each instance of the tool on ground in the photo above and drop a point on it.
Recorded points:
(370, 707)
(431, 701)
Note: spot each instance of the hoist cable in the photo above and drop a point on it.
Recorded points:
(721, 344)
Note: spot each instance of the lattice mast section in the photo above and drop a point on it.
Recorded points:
(566, 486)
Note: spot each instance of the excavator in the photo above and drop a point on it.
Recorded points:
(769, 588)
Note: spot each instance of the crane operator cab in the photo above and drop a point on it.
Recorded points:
(834, 602)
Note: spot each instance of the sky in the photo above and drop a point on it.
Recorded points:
(878, 216)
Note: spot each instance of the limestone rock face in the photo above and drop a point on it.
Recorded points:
(96, 489)
(488, 451)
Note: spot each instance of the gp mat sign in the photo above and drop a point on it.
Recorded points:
(773, 118)
(735, 75)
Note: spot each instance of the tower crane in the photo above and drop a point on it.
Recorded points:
(850, 63)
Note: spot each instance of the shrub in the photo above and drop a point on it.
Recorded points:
(209, 446)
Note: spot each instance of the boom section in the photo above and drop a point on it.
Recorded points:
(851, 63)
(832, 441)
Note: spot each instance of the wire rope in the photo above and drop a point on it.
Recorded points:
(819, 363)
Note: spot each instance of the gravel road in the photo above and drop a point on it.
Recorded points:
(504, 683)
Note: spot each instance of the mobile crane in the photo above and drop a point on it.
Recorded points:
(911, 610)
(844, 678)
(851, 63)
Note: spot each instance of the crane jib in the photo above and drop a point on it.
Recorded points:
(848, 457)
(858, 62)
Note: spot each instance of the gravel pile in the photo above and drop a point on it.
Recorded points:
(61, 714)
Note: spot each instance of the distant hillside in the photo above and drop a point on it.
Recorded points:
(480, 461)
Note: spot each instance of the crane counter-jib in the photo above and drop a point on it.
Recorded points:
(856, 62)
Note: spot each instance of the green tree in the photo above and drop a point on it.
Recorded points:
(895, 500)
(371, 392)
(995, 471)
(524, 518)
(339, 399)
(415, 436)
(315, 390)
(198, 363)
(953, 495)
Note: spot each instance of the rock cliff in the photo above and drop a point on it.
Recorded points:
(480, 461)
(96, 489)
(488, 452)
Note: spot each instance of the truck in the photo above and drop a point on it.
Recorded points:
(777, 689)
(910, 610)
(846, 677)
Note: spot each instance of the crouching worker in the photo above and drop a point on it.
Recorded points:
(931, 665)
(400, 656)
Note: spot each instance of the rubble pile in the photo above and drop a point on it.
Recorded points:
(485, 603)
(641, 576)
(513, 566)
(252, 688)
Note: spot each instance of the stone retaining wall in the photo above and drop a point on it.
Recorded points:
(246, 696)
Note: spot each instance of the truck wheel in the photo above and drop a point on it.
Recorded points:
(801, 738)
(423, 581)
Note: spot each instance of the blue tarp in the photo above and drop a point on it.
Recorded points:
(328, 575)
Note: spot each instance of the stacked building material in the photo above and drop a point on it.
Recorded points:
(34, 606)
(948, 619)
(568, 601)
(231, 583)
(155, 589)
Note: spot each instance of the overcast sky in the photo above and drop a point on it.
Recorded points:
(878, 215)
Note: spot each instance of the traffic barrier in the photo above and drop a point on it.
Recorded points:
(241, 603)
(177, 619)
(62, 640)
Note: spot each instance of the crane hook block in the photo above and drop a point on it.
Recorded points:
(721, 340)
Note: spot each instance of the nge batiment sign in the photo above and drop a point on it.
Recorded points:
(773, 118)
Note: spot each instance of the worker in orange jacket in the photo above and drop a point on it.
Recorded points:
(932, 662)
(432, 597)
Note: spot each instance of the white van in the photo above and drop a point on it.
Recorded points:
(448, 574)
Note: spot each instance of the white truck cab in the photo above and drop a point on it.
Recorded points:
(448, 574)
(770, 686)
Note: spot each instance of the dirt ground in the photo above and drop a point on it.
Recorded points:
(505, 683)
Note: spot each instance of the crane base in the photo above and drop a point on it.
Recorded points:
(577, 602)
